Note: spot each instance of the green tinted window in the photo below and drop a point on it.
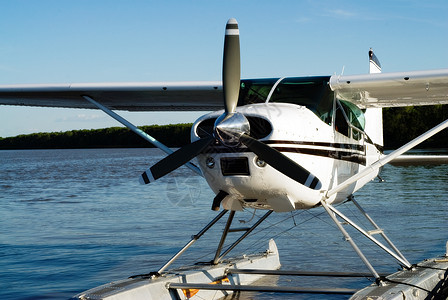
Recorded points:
(354, 114)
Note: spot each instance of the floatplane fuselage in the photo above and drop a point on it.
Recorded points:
(302, 119)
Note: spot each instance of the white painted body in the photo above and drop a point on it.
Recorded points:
(299, 134)
(140, 288)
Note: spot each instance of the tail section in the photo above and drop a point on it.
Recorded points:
(374, 116)
(374, 63)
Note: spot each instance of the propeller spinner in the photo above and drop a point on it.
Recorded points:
(232, 128)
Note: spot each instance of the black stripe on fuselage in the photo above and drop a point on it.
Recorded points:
(321, 144)
(335, 154)
(358, 158)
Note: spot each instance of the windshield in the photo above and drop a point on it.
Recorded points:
(255, 90)
(312, 92)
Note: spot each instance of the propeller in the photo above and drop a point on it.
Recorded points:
(228, 125)
(175, 160)
(232, 128)
(231, 125)
(231, 68)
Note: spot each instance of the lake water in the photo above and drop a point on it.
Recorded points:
(71, 220)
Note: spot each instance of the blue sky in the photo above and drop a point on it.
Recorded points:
(65, 41)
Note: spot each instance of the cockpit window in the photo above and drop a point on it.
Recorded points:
(312, 92)
(255, 90)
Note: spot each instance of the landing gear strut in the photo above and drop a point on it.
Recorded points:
(394, 252)
(218, 255)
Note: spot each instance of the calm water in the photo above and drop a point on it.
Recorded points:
(71, 220)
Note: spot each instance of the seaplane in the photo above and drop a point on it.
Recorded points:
(273, 144)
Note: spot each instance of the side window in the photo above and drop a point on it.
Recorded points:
(348, 113)
(354, 114)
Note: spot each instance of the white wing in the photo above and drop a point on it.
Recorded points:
(369, 90)
(393, 89)
(121, 96)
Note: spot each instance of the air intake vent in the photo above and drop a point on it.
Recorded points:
(205, 128)
(259, 127)
(231, 166)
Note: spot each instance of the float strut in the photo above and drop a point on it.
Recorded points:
(401, 260)
(223, 237)
(404, 260)
(350, 240)
(194, 238)
(216, 260)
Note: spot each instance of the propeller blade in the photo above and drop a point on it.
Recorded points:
(281, 163)
(175, 160)
(231, 69)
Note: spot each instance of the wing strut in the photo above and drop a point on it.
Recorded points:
(140, 132)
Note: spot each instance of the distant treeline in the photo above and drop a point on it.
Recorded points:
(400, 126)
(113, 137)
